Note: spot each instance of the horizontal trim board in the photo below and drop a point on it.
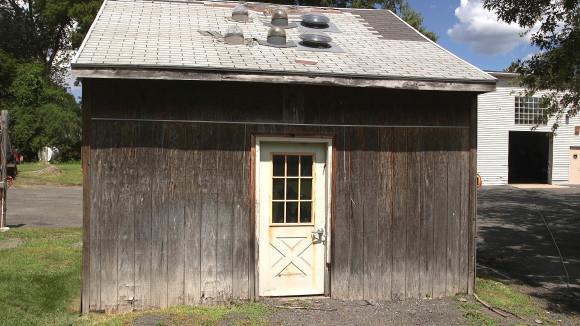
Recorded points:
(276, 123)
(182, 73)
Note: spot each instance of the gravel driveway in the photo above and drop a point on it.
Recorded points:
(514, 239)
(44, 206)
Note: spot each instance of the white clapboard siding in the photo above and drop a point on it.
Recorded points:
(496, 114)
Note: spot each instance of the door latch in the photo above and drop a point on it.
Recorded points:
(318, 235)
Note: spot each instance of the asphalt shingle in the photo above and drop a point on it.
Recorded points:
(376, 44)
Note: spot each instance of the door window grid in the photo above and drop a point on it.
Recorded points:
(292, 194)
(528, 111)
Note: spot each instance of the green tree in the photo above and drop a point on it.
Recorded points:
(400, 7)
(46, 31)
(7, 72)
(42, 114)
(37, 39)
(555, 69)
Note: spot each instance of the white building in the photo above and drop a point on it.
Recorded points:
(510, 152)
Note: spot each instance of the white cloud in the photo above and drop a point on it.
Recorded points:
(481, 29)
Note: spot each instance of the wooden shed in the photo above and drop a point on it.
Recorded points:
(216, 172)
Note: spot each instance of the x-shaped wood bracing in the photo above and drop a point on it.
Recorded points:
(292, 251)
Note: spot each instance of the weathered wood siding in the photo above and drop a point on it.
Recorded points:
(168, 202)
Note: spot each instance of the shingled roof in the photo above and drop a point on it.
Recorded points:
(130, 37)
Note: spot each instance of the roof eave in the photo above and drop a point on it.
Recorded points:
(171, 73)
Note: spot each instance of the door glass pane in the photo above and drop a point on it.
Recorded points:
(278, 212)
(278, 165)
(292, 162)
(305, 212)
(291, 189)
(306, 166)
(291, 212)
(306, 189)
(278, 189)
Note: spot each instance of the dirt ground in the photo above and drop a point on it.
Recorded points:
(44, 206)
(326, 312)
(515, 244)
(335, 312)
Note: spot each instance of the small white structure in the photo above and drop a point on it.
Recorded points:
(47, 154)
(509, 151)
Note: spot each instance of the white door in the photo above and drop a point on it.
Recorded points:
(574, 165)
(291, 202)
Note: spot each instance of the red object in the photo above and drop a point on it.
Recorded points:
(577, 130)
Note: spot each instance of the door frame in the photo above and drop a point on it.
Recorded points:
(328, 142)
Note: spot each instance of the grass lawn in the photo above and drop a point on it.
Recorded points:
(40, 277)
(40, 285)
(69, 174)
(503, 298)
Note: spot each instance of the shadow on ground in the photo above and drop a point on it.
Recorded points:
(514, 242)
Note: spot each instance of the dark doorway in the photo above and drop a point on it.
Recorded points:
(529, 157)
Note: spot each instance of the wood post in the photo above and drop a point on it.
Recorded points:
(4, 148)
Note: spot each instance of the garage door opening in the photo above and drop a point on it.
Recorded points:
(529, 157)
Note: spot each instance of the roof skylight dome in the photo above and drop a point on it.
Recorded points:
(240, 13)
(276, 36)
(280, 18)
(234, 35)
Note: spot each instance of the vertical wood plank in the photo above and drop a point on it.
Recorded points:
(413, 226)
(143, 214)
(472, 194)
(400, 179)
(160, 202)
(109, 223)
(123, 210)
(371, 177)
(427, 158)
(87, 195)
(453, 214)
(174, 144)
(341, 238)
(464, 214)
(209, 215)
(440, 216)
(241, 223)
(192, 218)
(253, 286)
(357, 193)
(96, 218)
(385, 212)
(225, 215)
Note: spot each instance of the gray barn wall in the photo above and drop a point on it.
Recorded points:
(168, 208)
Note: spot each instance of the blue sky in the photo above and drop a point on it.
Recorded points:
(476, 36)
(468, 30)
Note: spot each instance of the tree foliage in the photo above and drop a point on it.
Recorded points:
(40, 112)
(45, 31)
(400, 7)
(37, 38)
(555, 69)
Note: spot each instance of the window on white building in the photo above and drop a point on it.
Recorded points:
(528, 111)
